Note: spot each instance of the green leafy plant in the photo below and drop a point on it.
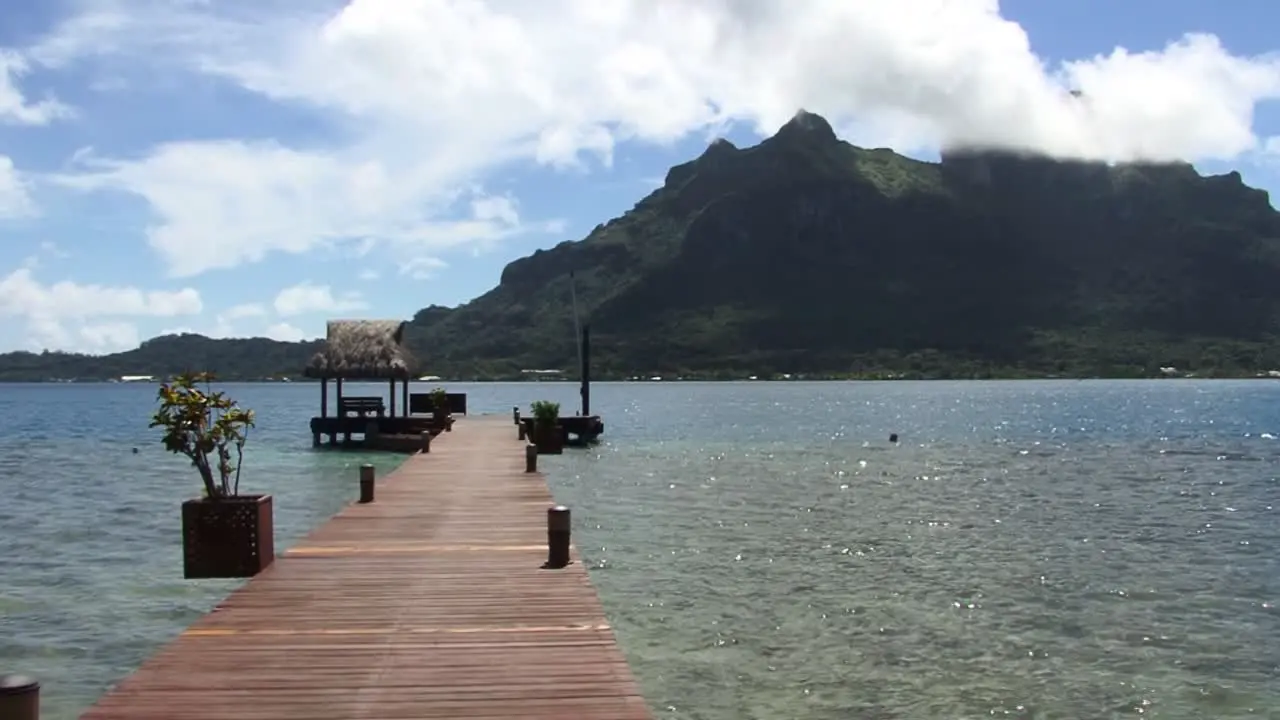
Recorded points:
(440, 400)
(205, 426)
(545, 412)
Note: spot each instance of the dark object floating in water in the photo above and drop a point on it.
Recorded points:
(893, 437)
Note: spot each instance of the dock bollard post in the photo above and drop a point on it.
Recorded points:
(530, 458)
(19, 698)
(520, 433)
(557, 537)
(426, 441)
(515, 413)
(366, 483)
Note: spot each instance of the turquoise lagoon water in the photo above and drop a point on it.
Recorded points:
(1029, 550)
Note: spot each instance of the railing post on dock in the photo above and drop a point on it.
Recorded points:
(530, 458)
(515, 413)
(19, 698)
(426, 441)
(557, 537)
(366, 483)
(520, 433)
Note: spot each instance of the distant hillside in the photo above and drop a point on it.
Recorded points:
(241, 359)
(805, 254)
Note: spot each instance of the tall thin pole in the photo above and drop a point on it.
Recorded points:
(586, 370)
(577, 327)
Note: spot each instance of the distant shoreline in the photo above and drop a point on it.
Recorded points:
(665, 380)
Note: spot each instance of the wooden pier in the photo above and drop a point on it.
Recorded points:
(429, 602)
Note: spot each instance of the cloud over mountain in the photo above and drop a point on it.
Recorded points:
(410, 112)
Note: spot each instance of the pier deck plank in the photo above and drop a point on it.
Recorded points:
(428, 603)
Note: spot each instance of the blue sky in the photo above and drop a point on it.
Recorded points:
(253, 167)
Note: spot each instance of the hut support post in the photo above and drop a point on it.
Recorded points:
(324, 397)
(404, 397)
(391, 386)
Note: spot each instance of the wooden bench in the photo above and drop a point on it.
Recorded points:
(422, 404)
(361, 406)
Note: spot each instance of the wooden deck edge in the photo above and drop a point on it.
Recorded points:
(324, 600)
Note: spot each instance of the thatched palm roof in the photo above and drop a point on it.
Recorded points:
(363, 350)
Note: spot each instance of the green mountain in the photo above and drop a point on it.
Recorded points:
(805, 254)
(240, 358)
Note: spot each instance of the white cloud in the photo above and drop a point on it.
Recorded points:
(227, 323)
(15, 201)
(50, 248)
(22, 294)
(70, 316)
(438, 93)
(422, 267)
(221, 204)
(251, 319)
(46, 333)
(285, 332)
(246, 310)
(306, 298)
(109, 337)
(490, 81)
(369, 275)
(15, 108)
(224, 327)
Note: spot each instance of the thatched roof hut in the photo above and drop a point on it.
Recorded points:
(363, 350)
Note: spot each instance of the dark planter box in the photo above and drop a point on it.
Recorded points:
(227, 537)
(439, 424)
(549, 439)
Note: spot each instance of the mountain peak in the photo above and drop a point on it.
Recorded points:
(808, 126)
(719, 150)
(717, 154)
(720, 145)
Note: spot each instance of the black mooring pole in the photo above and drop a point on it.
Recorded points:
(586, 371)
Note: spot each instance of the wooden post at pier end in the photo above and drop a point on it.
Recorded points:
(426, 441)
(557, 537)
(366, 483)
(531, 458)
(19, 698)
(515, 413)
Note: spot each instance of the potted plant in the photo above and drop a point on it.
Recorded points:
(546, 427)
(440, 409)
(224, 534)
